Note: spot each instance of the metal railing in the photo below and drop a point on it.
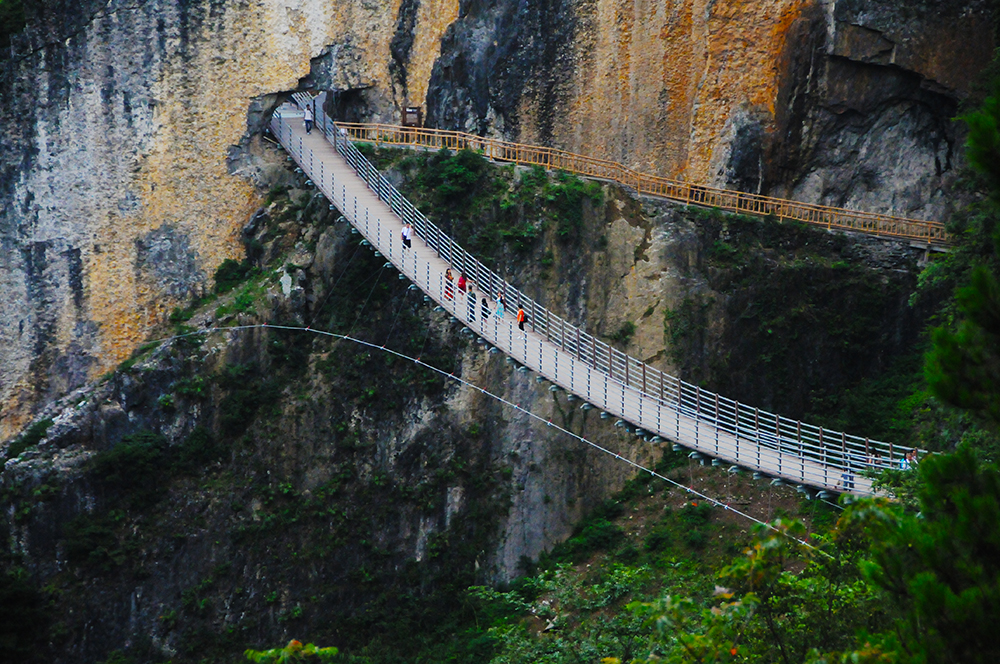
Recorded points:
(931, 232)
(657, 404)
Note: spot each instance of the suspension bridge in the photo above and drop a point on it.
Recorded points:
(642, 399)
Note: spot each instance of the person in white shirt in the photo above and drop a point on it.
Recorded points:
(407, 235)
(307, 117)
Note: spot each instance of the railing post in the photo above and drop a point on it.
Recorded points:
(822, 449)
(716, 422)
(798, 435)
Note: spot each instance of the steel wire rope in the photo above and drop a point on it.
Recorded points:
(364, 306)
(318, 309)
(399, 310)
(517, 407)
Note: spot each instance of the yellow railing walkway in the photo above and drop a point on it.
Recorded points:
(929, 233)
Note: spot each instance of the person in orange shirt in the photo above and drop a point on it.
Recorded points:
(522, 318)
(449, 289)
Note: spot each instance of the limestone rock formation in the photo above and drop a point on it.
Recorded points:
(125, 175)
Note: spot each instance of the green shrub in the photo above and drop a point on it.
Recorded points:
(90, 540)
(35, 433)
(566, 198)
(696, 539)
(199, 449)
(696, 514)
(133, 469)
(191, 388)
(624, 334)
(657, 539)
(247, 394)
(454, 178)
(595, 534)
(231, 274)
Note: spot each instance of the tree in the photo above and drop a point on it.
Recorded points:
(941, 567)
(293, 652)
(963, 367)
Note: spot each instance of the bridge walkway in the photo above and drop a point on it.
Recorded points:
(649, 403)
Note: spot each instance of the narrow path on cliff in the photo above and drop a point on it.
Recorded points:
(648, 402)
(930, 235)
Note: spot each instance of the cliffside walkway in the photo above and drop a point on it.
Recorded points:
(926, 234)
(648, 402)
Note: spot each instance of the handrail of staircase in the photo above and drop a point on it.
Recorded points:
(838, 451)
(882, 225)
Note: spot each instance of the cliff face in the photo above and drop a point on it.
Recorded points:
(842, 103)
(125, 178)
(241, 487)
(121, 181)
(222, 489)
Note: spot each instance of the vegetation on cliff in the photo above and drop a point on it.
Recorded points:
(249, 488)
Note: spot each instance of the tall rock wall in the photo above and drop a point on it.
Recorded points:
(123, 181)
(119, 187)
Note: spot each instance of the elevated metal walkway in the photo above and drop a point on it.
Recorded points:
(648, 402)
(930, 235)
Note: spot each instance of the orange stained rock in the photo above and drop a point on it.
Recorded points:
(656, 83)
(745, 41)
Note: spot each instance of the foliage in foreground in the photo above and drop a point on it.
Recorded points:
(293, 652)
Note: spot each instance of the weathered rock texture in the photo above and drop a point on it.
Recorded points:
(844, 103)
(123, 183)
(121, 189)
(341, 479)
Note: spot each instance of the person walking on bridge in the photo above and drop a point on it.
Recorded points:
(449, 289)
(500, 304)
(407, 235)
(522, 318)
(307, 118)
(486, 310)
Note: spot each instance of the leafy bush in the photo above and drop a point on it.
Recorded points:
(199, 449)
(596, 534)
(657, 539)
(133, 469)
(192, 388)
(624, 334)
(567, 197)
(247, 394)
(455, 178)
(231, 274)
(90, 540)
(35, 433)
(696, 514)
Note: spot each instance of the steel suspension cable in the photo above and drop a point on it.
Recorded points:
(517, 407)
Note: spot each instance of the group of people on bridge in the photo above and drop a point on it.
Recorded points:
(466, 289)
